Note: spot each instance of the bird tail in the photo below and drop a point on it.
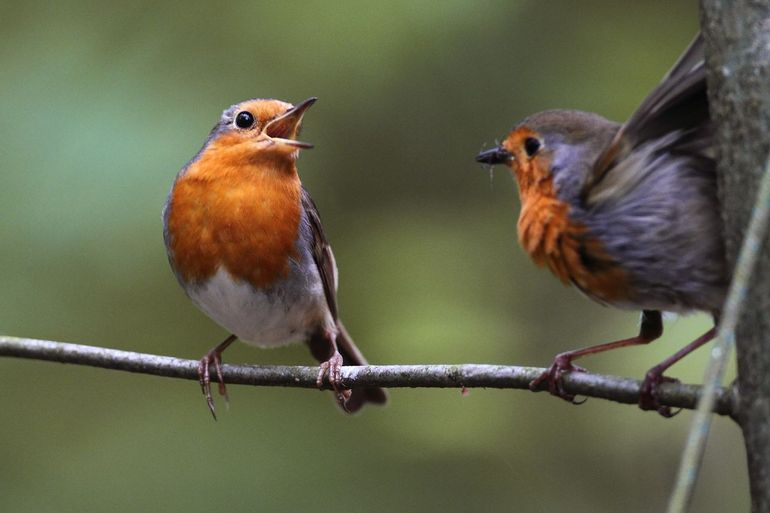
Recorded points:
(351, 355)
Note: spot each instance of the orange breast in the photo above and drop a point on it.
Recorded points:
(552, 239)
(239, 214)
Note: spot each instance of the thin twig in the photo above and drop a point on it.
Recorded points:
(720, 353)
(392, 376)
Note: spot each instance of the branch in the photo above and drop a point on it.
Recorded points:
(390, 376)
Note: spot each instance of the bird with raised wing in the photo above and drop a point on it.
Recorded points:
(626, 213)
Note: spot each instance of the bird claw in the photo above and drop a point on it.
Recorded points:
(561, 365)
(332, 370)
(648, 393)
(204, 378)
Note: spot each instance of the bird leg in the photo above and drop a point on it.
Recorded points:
(651, 328)
(331, 369)
(648, 397)
(204, 378)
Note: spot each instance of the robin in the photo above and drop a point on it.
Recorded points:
(246, 243)
(626, 213)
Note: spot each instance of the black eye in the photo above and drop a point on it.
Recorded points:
(531, 145)
(244, 119)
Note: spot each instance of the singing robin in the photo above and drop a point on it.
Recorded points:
(626, 213)
(246, 243)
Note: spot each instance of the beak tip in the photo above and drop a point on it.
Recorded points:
(307, 103)
(493, 156)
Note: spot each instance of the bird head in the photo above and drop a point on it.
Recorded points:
(262, 127)
(552, 146)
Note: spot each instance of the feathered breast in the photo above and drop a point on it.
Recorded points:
(553, 239)
(244, 218)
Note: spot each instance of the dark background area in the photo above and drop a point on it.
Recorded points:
(101, 105)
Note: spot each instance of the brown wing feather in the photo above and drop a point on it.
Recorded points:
(681, 91)
(678, 103)
(322, 253)
(319, 344)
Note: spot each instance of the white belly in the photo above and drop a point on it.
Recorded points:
(286, 313)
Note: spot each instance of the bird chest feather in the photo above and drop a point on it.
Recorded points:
(553, 239)
(243, 218)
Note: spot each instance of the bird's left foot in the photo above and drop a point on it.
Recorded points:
(204, 378)
(648, 395)
(331, 369)
(561, 365)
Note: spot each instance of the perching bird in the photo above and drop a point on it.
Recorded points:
(246, 243)
(626, 213)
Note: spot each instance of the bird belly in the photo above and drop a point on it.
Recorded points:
(284, 313)
(666, 233)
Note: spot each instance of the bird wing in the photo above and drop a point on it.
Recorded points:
(678, 105)
(322, 253)
(318, 341)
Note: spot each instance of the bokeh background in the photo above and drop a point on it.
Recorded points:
(102, 103)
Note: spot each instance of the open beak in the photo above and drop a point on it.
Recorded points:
(494, 156)
(283, 128)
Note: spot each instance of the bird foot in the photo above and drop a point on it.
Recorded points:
(204, 378)
(561, 365)
(648, 394)
(331, 369)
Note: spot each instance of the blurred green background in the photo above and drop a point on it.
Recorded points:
(103, 103)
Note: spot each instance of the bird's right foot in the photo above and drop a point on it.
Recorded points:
(553, 375)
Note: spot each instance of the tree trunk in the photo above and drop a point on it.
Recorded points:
(737, 35)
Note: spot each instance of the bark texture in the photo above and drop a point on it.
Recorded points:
(737, 35)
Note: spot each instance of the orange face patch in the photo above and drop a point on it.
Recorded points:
(528, 170)
(264, 110)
